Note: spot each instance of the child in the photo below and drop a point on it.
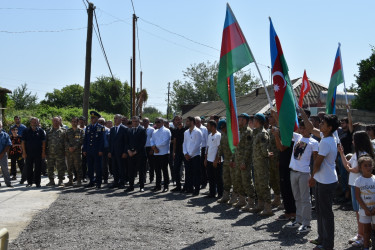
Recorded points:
(362, 146)
(365, 195)
(15, 155)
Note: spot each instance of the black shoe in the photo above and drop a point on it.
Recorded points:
(189, 191)
(84, 180)
(129, 189)
(113, 185)
(9, 185)
(165, 189)
(74, 179)
(121, 186)
(142, 190)
(176, 189)
(195, 193)
(156, 189)
(151, 181)
(203, 186)
(14, 178)
(38, 185)
(29, 185)
(98, 186)
(22, 182)
(105, 182)
(91, 184)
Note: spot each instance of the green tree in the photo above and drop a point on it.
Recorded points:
(68, 96)
(110, 95)
(22, 98)
(152, 113)
(199, 85)
(366, 83)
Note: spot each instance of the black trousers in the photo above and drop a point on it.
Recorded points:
(14, 160)
(193, 174)
(107, 165)
(151, 163)
(285, 186)
(179, 157)
(161, 165)
(84, 166)
(215, 178)
(33, 169)
(137, 163)
(204, 177)
(171, 161)
(326, 222)
(118, 169)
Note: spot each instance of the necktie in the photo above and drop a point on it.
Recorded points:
(116, 130)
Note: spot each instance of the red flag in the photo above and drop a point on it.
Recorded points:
(305, 88)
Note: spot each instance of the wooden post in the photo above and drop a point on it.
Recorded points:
(133, 92)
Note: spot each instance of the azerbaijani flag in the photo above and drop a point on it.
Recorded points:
(283, 91)
(337, 78)
(305, 88)
(235, 54)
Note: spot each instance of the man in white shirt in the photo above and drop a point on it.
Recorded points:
(149, 152)
(160, 141)
(213, 162)
(304, 148)
(203, 129)
(192, 152)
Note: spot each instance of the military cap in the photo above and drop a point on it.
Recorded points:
(260, 117)
(82, 118)
(244, 115)
(95, 114)
(203, 118)
(221, 123)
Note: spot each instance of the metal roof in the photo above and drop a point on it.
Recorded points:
(256, 101)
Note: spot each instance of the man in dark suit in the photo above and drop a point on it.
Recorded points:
(118, 152)
(136, 154)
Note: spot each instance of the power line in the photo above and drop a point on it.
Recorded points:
(133, 7)
(101, 44)
(139, 52)
(38, 9)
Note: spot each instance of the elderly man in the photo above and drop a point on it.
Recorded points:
(93, 148)
(5, 144)
(160, 141)
(117, 152)
(55, 149)
(203, 129)
(33, 151)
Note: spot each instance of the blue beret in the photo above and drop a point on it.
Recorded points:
(260, 117)
(221, 123)
(244, 115)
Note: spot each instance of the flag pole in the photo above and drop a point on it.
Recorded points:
(342, 70)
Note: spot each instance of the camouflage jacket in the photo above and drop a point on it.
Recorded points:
(243, 154)
(74, 139)
(55, 141)
(261, 140)
(272, 145)
(224, 149)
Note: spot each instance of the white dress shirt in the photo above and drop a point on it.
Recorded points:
(204, 136)
(192, 142)
(161, 139)
(149, 132)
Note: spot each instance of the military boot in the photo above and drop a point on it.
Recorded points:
(258, 208)
(51, 183)
(250, 204)
(276, 201)
(241, 202)
(267, 211)
(233, 198)
(69, 183)
(60, 184)
(225, 197)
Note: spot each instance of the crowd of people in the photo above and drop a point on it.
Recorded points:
(303, 176)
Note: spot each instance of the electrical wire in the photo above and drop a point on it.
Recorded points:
(38, 9)
(139, 52)
(133, 7)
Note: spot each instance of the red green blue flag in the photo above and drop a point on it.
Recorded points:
(337, 78)
(235, 54)
(283, 90)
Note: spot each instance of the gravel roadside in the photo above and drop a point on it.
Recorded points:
(111, 219)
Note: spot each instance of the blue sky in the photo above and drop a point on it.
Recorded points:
(309, 32)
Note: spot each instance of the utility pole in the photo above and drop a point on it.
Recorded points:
(86, 92)
(169, 86)
(131, 88)
(141, 80)
(133, 93)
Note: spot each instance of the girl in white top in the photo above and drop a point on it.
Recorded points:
(365, 195)
(362, 145)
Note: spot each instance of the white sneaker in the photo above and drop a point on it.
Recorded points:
(293, 224)
(304, 229)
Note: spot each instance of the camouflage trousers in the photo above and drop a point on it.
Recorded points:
(274, 175)
(74, 162)
(262, 177)
(243, 184)
(58, 162)
(228, 176)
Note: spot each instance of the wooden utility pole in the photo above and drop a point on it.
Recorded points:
(169, 86)
(141, 80)
(133, 92)
(86, 93)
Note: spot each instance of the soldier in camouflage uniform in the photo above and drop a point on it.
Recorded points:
(274, 163)
(261, 166)
(55, 152)
(228, 169)
(73, 145)
(242, 159)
